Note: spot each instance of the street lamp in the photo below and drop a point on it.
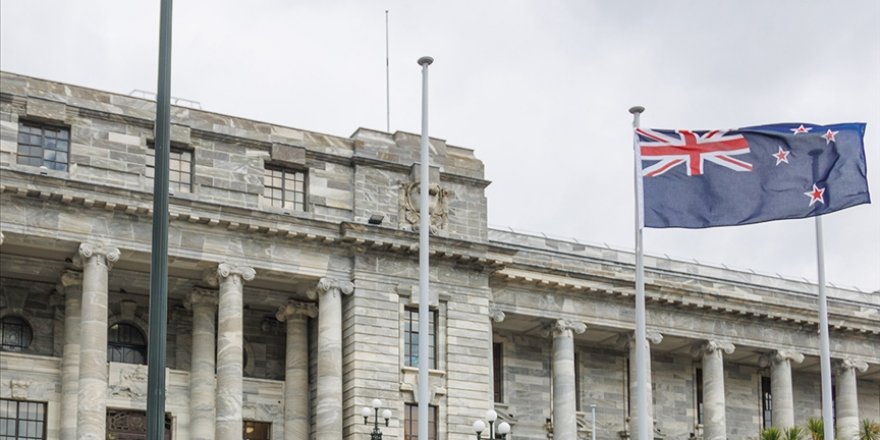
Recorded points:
(491, 416)
(386, 414)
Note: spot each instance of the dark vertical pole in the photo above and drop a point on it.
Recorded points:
(159, 260)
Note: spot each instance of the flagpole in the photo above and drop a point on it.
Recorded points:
(824, 342)
(387, 80)
(424, 226)
(640, 338)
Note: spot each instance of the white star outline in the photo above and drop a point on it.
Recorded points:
(816, 195)
(800, 129)
(781, 156)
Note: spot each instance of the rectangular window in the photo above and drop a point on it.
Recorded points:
(42, 145)
(577, 381)
(256, 430)
(498, 371)
(766, 402)
(698, 379)
(284, 188)
(21, 419)
(412, 340)
(411, 422)
(179, 168)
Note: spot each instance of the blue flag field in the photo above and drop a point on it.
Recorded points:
(701, 179)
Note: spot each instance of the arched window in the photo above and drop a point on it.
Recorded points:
(126, 344)
(15, 333)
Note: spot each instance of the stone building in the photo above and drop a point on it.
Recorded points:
(290, 309)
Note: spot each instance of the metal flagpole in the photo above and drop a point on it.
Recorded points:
(424, 229)
(824, 343)
(159, 255)
(387, 80)
(640, 337)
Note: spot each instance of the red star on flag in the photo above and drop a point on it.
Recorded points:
(801, 129)
(781, 156)
(816, 195)
(829, 136)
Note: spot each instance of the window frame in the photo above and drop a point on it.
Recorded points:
(25, 329)
(126, 347)
(411, 333)
(766, 402)
(174, 186)
(41, 147)
(698, 394)
(42, 408)
(270, 201)
(411, 421)
(267, 426)
(498, 372)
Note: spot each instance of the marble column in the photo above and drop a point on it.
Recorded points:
(203, 303)
(780, 385)
(97, 261)
(847, 399)
(71, 284)
(230, 343)
(296, 371)
(629, 341)
(564, 394)
(714, 417)
(328, 415)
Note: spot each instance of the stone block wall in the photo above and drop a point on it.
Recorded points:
(674, 393)
(742, 384)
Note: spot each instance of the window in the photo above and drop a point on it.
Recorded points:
(15, 333)
(411, 338)
(21, 419)
(284, 188)
(577, 382)
(766, 402)
(126, 344)
(256, 430)
(179, 168)
(698, 379)
(498, 371)
(43, 145)
(411, 422)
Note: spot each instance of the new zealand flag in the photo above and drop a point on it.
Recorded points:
(701, 179)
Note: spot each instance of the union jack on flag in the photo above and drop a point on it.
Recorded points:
(692, 148)
(701, 179)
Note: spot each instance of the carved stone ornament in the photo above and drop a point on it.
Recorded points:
(331, 286)
(564, 327)
(19, 388)
(495, 313)
(712, 346)
(131, 382)
(438, 207)
(227, 270)
(70, 278)
(651, 336)
(201, 295)
(104, 255)
(847, 364)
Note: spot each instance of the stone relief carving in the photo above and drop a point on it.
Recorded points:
(129, 381)
(438, 207)
(19, 388)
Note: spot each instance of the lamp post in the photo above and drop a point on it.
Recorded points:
(376, 434)
(491, 416)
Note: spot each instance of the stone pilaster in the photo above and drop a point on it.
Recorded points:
(203, 303)
(780, 385)
(629, 341)
(296, 372)
(714, 417)
(97, 260)
(564, 395)
(71, 285)
(328, 416)
(230, 343)
(847, 399)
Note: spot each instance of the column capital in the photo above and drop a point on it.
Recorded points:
(332, 286)
(296, 309)
(562, 327)
(106, 255)
(652, 336)
(777, 356)
(201, 295)
(842, 365)
(711, 346)
(495, 313)
(225, 270)
(71, 278)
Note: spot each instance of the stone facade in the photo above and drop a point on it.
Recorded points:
(298, 318)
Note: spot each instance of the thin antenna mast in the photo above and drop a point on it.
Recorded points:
(387, 80)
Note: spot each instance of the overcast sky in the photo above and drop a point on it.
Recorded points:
(539, 89)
